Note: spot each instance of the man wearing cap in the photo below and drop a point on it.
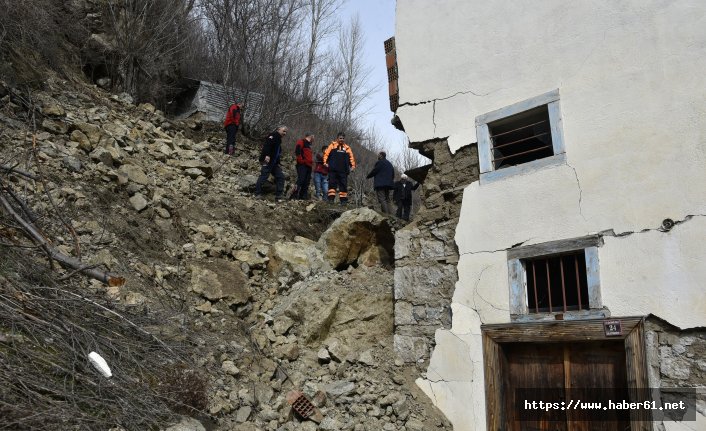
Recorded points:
(339, 159)
(403, 196)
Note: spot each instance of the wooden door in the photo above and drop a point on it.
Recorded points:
(535, 366)
(560, 372)
(596, 372)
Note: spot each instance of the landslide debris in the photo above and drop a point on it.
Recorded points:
(229, 302)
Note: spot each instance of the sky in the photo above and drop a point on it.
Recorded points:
(378, 20)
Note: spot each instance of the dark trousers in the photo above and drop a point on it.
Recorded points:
(265, 172)
(383, 195)
(338, 180)
(303, 180)
(403, 209)
(231, 131)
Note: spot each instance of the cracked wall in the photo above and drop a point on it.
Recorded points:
(631, 91)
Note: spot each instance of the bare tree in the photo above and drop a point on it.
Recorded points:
(321, 13)
(148, 36)
(354, 73)
(408, 158)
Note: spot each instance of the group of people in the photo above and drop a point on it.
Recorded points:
(330, 168)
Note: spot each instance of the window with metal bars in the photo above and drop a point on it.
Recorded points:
(521, 138)
(555, 277)
(557, 283)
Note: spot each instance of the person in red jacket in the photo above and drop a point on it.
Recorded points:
(304, 164)
(231, 125)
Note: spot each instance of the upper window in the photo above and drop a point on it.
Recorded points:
(520, 137)
(557, 277)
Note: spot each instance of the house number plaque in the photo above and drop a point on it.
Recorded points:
(613, 328)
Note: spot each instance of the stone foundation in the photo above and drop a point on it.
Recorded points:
(425, 251)
(677, 359)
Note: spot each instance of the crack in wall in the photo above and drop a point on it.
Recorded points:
(578, 184)
(458, 93)
(475, 288)
(490, 304)
(498, 250)
(601, 234)
(433, 117)
(664, 227)
(433, 393)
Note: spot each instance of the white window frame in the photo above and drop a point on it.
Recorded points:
(517, 277)
(485, 146)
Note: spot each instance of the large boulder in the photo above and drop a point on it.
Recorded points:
(360, 236)
(300, 256)
(92, 132)
(221, 280)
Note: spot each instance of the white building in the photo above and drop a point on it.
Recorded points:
(590, 124)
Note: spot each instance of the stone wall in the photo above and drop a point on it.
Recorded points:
(425, 251)
(677, 359)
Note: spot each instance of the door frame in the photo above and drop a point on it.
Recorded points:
(495, 335)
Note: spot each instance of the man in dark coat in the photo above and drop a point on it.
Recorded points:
(231, 125)
(269, 163)
(383, 175)
(403, 196)
(305, 160)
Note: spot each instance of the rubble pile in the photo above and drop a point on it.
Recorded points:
(281, 297)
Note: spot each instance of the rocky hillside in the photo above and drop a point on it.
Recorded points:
(228, 305)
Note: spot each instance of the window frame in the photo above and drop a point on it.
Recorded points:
(517, 278)
(485, 147)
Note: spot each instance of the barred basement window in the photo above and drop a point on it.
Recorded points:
(557, 283)
(557, 277)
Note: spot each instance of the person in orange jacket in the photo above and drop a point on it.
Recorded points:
(231, 125)
(339, 159)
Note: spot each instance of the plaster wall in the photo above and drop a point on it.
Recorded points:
(630, 79)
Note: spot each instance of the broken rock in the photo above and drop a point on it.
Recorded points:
(358, 236)
(135, 174)
(205, 168)
(338, 388)
(221, 280)
(138, 202)
(301, 257)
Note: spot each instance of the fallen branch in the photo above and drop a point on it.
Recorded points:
(14, 170)
(66, 224)
(25, 209)
(54, 254)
